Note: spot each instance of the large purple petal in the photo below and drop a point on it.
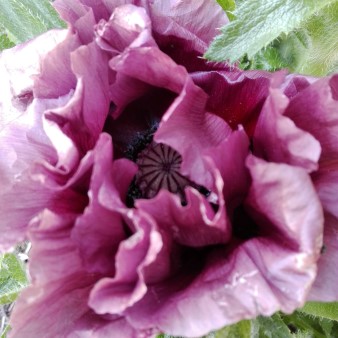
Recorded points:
(184, 30)
(325, 287)
(195, 224)
(277, 138)
(315, 110)
(50, 82)
(83, 117)
(114, 295)
(326, 183)
(128, 26)
(59, 285)
(232, 168)
(258, 276)
(189, 130)
(230, 95)
(98, 231)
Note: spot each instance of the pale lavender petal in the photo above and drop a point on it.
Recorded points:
(59, 283)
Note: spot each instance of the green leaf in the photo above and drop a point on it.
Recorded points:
(311, 50)
(303, 325)
(325, 310)
(258, 23)
(239, 330)
(228, 6)
(5, 42)
(269, 327)
(12, 278)
(21, 20)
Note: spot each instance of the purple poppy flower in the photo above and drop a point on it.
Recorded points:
(161, 193)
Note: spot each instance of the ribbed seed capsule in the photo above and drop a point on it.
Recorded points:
(159, 168)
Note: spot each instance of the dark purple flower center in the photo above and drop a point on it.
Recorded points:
(159, 168)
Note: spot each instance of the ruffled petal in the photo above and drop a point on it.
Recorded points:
(114, 295)
(50, 82)
(196, 224)
(230, 95)
(325, 288)
(59, 283)
(184, 30)
(315, 110)
(257, 276)
(189, 130)
(83, 117)
(277, 138)
(99, 231)
(128, 26)
(232, 168)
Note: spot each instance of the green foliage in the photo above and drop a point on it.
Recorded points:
(269, 327)
(304, 325)
(239, 330)
(228, 6)
(12, 278)
(21, 20)
(324, 310)
(258, 23)
(311, 49)
(5, 42)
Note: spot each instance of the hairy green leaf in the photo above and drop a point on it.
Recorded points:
(269, 327)
(23, 19)
(258, 23)
(325, 310)
(12, 278)
(304, 325)
(311, 50)
(228, 6)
